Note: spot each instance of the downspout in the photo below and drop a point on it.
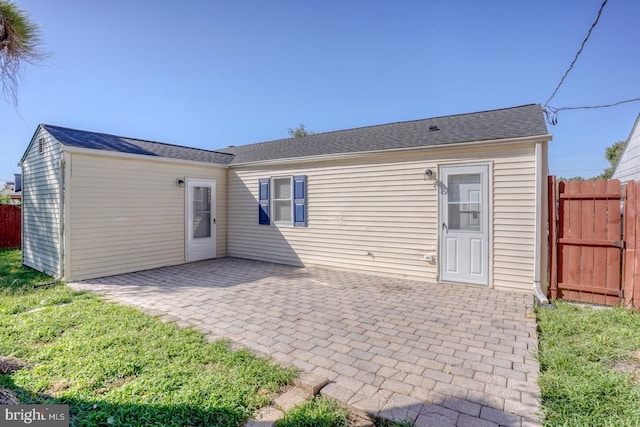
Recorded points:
(541, 297)
(62, 217)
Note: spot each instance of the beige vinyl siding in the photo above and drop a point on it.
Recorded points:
(514, 202)
(41, 186)
(379, 214)
(128, 214)
(348, 226)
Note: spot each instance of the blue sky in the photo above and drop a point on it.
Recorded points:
(215, 73)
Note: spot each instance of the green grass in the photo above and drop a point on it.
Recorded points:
(322, 412)
(118, 367)
(14, 277)
(317, 412)
(589, 366)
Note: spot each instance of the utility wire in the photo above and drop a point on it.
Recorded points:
(551, 113)
(597, 106)
(577, 54)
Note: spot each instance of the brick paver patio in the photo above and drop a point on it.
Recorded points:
(441, 355)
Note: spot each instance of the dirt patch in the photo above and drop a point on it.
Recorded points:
(117, 384)
(354, 420)
(58, 386)
(630, 367)
(264, 392)
(7, 397)
(9, 365)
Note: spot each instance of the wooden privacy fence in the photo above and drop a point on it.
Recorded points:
(593, 240)
(631, 262)
(10, 226)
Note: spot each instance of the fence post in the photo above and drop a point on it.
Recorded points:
(629, 237)
(552, 205)
(636, 256)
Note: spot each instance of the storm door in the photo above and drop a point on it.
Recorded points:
(464, 224)
(201, 221)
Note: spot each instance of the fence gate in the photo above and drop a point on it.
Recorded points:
(586, 243)
(631, 261)
(10, 226)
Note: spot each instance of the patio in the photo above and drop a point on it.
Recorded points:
(439, 354)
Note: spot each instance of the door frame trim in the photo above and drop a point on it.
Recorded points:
(214, 204)
(490, 223)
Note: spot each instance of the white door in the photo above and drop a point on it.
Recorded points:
(201, 220)
(464, 224)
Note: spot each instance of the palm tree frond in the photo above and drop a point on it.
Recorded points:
(20, 43)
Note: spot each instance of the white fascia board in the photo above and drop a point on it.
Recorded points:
(364, 154)
(117, 154)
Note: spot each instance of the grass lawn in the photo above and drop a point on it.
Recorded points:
(590, 366)
(118, 367)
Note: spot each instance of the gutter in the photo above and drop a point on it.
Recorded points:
(540, 296)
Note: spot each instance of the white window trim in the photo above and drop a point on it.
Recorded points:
(275, 222)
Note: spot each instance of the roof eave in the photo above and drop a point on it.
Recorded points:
(24, 155)
(121, 155)
(361, 154)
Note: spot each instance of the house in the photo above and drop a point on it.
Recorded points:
(13, 189)
(6, 187)
(458, 198)
(628, 167)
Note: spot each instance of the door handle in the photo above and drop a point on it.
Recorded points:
(445, 228)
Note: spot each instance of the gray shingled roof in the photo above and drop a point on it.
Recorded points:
(524, 121)
(527, 120)
(106, 142)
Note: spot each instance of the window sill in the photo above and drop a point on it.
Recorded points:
(282, 224)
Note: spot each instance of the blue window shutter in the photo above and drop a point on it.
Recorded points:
(263, 201)
(300, 201)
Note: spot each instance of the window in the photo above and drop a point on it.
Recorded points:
(41, 145)
(464, 202)
(283, 201)
(201, 212)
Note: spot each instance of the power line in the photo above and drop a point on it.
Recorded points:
(577, 54)
(551, 113)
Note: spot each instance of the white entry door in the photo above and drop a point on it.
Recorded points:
(201, 220)
(464, 224)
